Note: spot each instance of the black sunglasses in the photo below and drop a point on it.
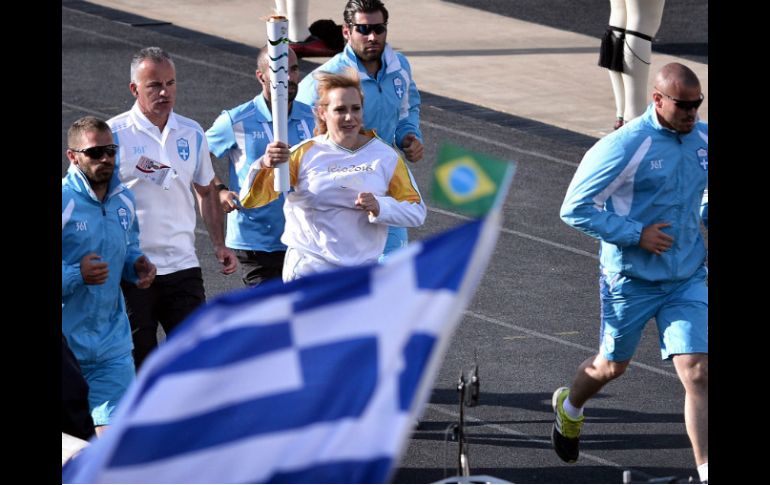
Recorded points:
(366, 29)
(98, 152)
(682, 104)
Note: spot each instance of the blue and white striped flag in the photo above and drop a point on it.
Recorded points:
(318, 380)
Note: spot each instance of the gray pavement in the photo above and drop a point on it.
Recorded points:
(535, 315)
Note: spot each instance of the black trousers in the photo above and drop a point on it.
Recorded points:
(167, 302)
(75, 413)
(259, 266)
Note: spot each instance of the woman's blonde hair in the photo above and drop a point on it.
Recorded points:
(328, 81)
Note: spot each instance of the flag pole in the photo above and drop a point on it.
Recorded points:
(278, 53)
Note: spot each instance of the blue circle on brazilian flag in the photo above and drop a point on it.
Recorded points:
(463, 180)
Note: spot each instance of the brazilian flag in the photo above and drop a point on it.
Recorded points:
(467, 181)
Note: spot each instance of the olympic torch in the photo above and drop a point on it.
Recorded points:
(278, 53)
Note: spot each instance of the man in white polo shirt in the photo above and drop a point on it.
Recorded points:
(162, 158)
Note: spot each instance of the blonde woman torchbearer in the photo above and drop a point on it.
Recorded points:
(349, 186)
(627, 50)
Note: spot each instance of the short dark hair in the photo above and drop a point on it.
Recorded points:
(263, 59)
(155, 54)
(363, 6)
(85, 125)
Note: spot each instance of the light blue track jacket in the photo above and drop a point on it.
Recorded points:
(94, 319)
(391, 102)
(241, 134)
(639, 175)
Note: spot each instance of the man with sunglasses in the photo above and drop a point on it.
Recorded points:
(164, 159)
(100, 248)
(640, 190)
(242, 135)
(391, 99)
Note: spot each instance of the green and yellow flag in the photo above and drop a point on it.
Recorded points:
(467, 181)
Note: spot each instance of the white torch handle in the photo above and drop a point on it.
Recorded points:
(278, 53)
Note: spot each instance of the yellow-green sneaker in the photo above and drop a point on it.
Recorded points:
(565, 436)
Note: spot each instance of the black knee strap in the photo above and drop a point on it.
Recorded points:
(638, 34)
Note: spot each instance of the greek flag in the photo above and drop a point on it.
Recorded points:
(315, 381)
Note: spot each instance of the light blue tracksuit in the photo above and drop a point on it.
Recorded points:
(639, 175)
(94, 319)
(242, 133)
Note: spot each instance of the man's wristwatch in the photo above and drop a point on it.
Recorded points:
(221, 187)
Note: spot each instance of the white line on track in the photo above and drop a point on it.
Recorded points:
(86, 110)
(499, 144)
(521, 234)
(560, 341)
(173, 55)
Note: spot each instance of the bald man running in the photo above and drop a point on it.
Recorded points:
(641, 191)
